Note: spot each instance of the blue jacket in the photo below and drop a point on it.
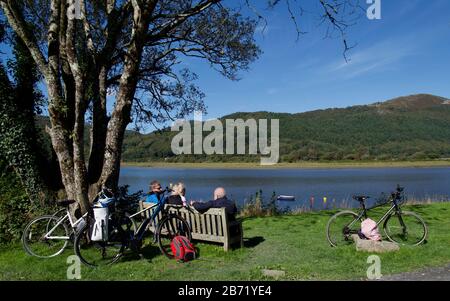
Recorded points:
(153, 198)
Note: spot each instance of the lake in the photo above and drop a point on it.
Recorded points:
(336, 185)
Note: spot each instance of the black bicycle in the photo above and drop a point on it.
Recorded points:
(124, 232)
(402, 227)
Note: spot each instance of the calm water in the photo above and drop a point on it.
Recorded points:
(337, 185)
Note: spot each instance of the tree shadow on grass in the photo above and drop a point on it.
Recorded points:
(148, 253)
(253, 241)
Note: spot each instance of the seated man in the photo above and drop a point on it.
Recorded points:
(220, 201)
(155, 194)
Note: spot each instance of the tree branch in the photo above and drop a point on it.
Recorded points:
(179, 19)
(17, 22)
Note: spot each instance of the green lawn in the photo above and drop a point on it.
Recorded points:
(295, 244)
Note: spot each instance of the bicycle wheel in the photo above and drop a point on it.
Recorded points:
(341, 226)
(44, 237)
(98, 253)
(60, 213)
(168, 228)
(406, 228)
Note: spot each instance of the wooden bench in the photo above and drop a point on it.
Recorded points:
(212, 226)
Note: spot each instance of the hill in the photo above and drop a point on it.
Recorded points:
(415, 127)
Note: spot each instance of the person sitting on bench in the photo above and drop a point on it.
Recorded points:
(177, 196)
(155, 194)
(220, 201)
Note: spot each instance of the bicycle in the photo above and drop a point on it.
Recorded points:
(48, 235)
(402, 227)
(124, 233)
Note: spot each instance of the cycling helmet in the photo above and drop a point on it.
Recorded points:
(104, 199)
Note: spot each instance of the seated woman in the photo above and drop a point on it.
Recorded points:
(177, 196)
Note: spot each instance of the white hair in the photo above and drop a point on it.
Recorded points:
(179, 189)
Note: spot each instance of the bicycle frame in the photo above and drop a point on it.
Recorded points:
(73, 224)
(143, 226)
(363, 213)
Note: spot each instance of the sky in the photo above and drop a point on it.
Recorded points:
(405, 52)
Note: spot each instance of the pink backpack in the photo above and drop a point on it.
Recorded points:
(370, 230)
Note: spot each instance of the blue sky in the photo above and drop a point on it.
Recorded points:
(406, 52)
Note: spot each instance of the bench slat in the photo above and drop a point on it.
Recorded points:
(197, 221)
(191, 222)
(203, 221)
(213, 222)
(208, 224)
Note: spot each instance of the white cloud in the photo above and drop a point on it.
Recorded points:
(374, 58)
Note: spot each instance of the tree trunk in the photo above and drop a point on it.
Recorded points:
(99, 129)
(80, 175)
(120, 117)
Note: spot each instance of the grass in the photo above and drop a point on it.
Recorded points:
(295, 244)
(329, 164)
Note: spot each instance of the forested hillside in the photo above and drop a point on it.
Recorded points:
(414, 127)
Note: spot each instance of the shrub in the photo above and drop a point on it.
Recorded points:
(255, 207)
(16, 210)
(13, 206)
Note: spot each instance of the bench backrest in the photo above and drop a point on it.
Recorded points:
(212, 225)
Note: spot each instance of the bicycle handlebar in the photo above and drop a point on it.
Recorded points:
(399, 188)
(397, 194)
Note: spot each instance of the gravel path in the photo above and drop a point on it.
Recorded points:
(428, 274)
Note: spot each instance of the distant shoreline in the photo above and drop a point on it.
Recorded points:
(297, 165)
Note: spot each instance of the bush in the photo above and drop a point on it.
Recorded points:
(13, 206)
(255, 207)
(16, 210)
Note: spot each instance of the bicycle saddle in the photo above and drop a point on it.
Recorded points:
(360, 198)
(64, 203)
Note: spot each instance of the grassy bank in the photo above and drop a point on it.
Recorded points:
(295, 244)
(330, 164)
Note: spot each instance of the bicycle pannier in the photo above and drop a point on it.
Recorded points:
(100, 227)
(182, 248)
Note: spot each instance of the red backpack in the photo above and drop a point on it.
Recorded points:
(182, 248)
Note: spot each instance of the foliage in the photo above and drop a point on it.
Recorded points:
(16, 209)
(15, 144)
(257, 207)
(14, 205)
